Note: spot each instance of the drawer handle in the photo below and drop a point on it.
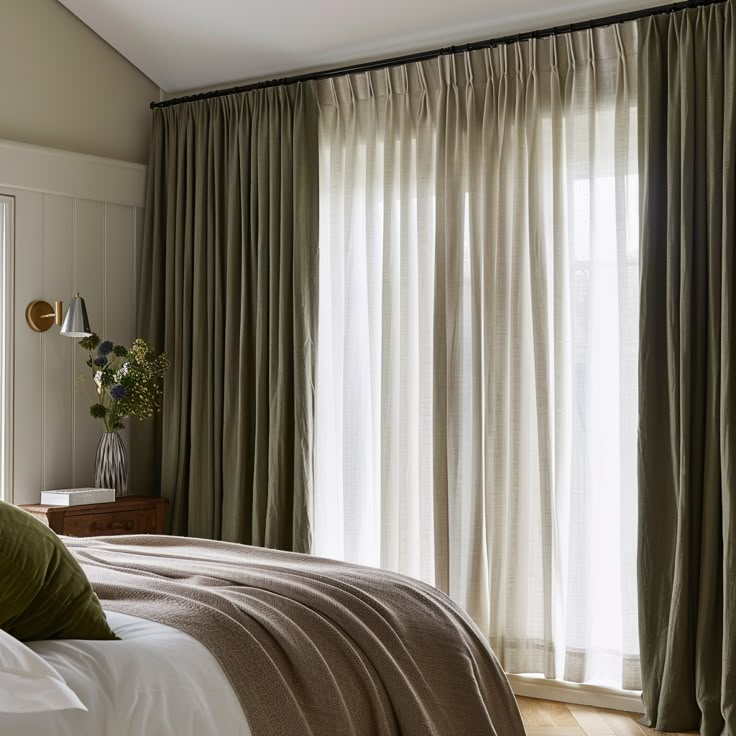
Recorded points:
(124, 525)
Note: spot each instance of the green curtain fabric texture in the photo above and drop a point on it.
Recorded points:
(228, 287)
(687, 370)
(228, 281)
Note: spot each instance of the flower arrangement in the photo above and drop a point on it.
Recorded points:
(128, 380)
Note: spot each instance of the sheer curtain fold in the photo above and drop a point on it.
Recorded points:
(476, 372)
(228, 282)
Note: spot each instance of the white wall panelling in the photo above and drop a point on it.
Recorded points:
(78, 224)
(74, 174)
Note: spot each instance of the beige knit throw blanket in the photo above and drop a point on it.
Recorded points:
(313, 646)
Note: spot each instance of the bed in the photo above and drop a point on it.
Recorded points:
(157, 680)
(221, 638)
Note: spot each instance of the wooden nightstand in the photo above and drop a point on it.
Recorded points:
(126, 515)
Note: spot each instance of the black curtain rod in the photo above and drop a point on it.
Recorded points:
(461, 48)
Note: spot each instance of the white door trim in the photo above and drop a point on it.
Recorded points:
(7, 284)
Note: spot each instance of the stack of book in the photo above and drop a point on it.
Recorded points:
(77, 496)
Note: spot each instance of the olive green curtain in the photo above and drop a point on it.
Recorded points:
(687, 389)
(228, 287)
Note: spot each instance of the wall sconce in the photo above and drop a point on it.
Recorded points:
(40, 315)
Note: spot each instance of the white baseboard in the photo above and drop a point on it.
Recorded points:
(528, 686)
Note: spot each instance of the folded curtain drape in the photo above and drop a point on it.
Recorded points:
(476, 379)
(477, 373)
(228, 287)
(687, 431)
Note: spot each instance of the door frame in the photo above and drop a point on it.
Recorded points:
(7, 343)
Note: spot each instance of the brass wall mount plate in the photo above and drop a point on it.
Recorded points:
(40, 315)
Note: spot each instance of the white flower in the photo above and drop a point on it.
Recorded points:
(98, 379)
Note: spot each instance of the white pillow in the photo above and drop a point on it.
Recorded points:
(28, 683)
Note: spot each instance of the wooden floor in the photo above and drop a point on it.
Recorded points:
(545, 718)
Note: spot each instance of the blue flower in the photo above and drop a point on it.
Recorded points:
(105, 348)
(101, 362)
(118, 392)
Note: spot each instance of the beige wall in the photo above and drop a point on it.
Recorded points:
(62, 86)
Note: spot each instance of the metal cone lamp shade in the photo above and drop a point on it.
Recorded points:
(76, 322)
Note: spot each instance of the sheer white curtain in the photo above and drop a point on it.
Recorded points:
(476, 379)
(373, 450)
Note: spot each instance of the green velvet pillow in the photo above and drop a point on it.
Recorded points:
(44, 593)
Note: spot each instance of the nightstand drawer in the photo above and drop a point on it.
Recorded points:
(127, 515)
(99, 525)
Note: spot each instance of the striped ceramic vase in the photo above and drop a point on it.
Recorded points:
(111, 464)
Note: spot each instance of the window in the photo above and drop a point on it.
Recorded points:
(476, 395)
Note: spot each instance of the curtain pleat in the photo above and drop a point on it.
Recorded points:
(481, 221)
(228, 283)
(478, 327)
(687, 444)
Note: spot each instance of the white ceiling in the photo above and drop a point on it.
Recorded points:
(185, 44)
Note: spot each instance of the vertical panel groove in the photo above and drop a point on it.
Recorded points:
(134, 246)
(104, 269)
(93, 218)
(74, 289)
(43, 344)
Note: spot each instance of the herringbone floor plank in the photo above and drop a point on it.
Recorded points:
(548, 718)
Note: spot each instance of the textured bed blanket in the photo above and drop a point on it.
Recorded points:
(313, 646)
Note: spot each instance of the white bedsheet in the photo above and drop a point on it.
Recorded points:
(157, 681)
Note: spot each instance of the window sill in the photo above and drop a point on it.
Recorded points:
(537, 686)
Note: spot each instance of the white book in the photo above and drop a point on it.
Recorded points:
(77, 496)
